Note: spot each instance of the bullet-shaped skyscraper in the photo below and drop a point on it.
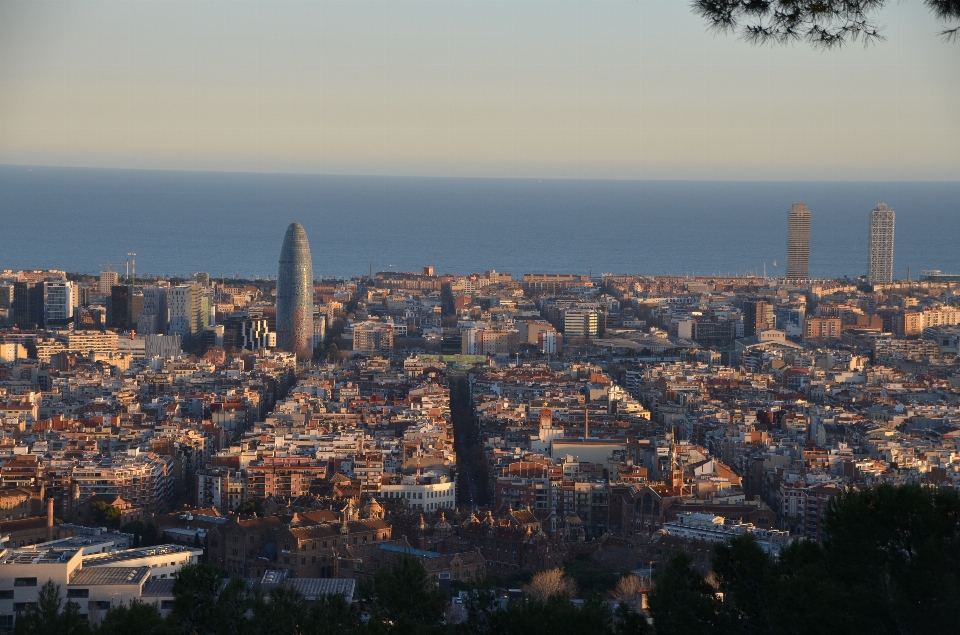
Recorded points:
(295, 293)
(880, 246)
(798, 243)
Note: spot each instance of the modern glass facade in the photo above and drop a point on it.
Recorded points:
(295, 293)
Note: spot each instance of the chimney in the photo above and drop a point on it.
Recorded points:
(49, 519)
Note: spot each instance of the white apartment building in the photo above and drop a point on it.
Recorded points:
(699, 526)
(581, 323)
(85, 342)
(429, 491)
(185, 310)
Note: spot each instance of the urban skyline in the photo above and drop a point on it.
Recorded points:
(462, 317)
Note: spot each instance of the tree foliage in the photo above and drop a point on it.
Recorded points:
(404, 599)
(822, 23)
(589, 575)
(51, 616)
(105, 514)
(889, 563)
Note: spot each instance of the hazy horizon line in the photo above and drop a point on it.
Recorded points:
(31, 167)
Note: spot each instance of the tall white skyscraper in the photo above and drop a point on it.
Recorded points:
(798, 243)
(183, 302)
(880, 246)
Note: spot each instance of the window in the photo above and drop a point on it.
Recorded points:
(25, 582)
(78, 593)
(20, 607)
(6, 594)
(99, 605)
(313, 560)
(166, 605)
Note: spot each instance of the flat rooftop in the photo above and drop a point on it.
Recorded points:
(35, 556)
(95, 576)
(99, 560)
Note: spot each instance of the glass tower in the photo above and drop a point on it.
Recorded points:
(295, 293)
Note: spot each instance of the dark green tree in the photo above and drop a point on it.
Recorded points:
(137, 528)
(589, 575)
(195, 600)
(150, 536)
(231, 608)
(105, 514)
(629, 622)
(281, 612)
(404, 598)
(683, 602)
(252, 506)
(332, 615)
(51, 616)
(896, 550)
(135, 618)
(556, 616)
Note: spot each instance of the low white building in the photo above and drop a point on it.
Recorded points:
(163, 560)
(699, 526)
(429, 491)
(95, 581)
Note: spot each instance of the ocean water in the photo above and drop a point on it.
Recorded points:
(227, 223)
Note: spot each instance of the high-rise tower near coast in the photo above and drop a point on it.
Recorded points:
(295, 293)
(880, 246)
(798, 243)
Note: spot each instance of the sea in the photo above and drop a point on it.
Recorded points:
(232, 224)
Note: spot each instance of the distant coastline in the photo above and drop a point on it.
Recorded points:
(230, 224)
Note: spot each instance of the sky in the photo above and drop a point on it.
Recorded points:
(605, 89)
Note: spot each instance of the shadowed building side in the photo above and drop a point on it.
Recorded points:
(798, 243)
(295, 293)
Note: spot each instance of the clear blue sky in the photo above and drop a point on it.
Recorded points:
(591, 89)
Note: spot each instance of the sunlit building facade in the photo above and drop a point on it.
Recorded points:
(880, 263)
(798, 243)
(295, 293)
